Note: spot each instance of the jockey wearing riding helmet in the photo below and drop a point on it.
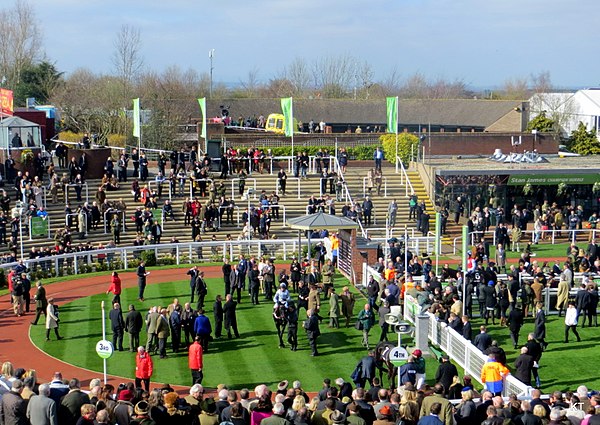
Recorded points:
(282, 296)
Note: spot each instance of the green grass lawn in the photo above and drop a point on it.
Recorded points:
(563, 366)
(253, 359)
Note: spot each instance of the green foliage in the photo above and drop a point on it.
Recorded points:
(542, 123)
(406, 141)
(360, 153)
(149, 257)
(584, 142)
(38, 81)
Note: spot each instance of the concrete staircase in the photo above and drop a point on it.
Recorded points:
(294, 207)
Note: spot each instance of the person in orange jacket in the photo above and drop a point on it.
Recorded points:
(195, 354)
(115, 288)
(143, 368)
(493, 374)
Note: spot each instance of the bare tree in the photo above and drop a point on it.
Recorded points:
(418, 87)
(364, 79)
(333, 75)
(252, 84)
(127, 57)
(391, 84)
(515, 88)
(20, 41)
(298, 74)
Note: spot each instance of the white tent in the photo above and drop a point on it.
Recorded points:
(29, 133)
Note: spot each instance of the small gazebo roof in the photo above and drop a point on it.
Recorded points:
(321, 221)
(17, 122)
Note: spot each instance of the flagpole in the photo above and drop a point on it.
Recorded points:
(292, 124)
(396, 130)
(140, 149)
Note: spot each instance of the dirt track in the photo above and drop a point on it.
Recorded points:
(18, 348)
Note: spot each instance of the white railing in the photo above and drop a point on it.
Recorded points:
(349, 197)
(375, 186)
(208, 182)
(404, 176)
(83, 186)
(460, 350)
(158, 184)
(120, 213)
(234, 208)
(277, 188)
(176, 253)
(235, 189)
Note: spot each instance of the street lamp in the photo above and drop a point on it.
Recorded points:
(211, 54)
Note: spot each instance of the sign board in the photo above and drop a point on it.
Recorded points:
(158, 215)
(398, 356)
(39, 227)
(104, 349)
(6, 102)
(552, 179)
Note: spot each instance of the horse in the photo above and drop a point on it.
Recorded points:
(280, 319)
(384, 364)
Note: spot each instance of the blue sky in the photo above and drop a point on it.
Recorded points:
(482, 42)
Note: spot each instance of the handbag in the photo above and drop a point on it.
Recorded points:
(359, 325)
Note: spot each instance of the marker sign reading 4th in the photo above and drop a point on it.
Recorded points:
(104, 349)
(398, 356)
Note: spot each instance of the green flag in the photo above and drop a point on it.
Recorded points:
(392, 114)
(202, 103)
(136, 118)
(288, 115)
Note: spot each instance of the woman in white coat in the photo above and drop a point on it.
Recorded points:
(51, 320)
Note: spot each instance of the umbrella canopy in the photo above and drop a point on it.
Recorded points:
(321, 221)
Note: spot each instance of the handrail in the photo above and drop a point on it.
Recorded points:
(117, 212)
(233, 188)
(404, 175)
(384, 178)
(349, 197)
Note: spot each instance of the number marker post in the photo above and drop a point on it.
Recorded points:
(104, 348)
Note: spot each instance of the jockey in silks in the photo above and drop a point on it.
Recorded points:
(282, 297)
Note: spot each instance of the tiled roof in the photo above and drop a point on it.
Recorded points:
(457, 112)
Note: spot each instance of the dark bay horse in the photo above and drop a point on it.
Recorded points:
(280, 319)
(384, 364)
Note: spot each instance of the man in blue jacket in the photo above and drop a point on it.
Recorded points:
(202, 329)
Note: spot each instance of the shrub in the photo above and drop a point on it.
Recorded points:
(69, 136)
(405, 142)
(166, 261)
(149, 257)
(117, 140)
(360, 153)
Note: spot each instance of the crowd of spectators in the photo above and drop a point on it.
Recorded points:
(26, 399)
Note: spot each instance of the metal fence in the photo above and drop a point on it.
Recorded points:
(171, 253)
(460, 350)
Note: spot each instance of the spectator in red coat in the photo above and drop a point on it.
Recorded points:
(115, 288)
(195, 361)
(143, 368)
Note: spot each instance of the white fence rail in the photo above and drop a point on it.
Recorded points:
(460, 350)
(178, 253)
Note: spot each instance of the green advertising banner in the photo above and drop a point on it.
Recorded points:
(39, 227)
(552, 179)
